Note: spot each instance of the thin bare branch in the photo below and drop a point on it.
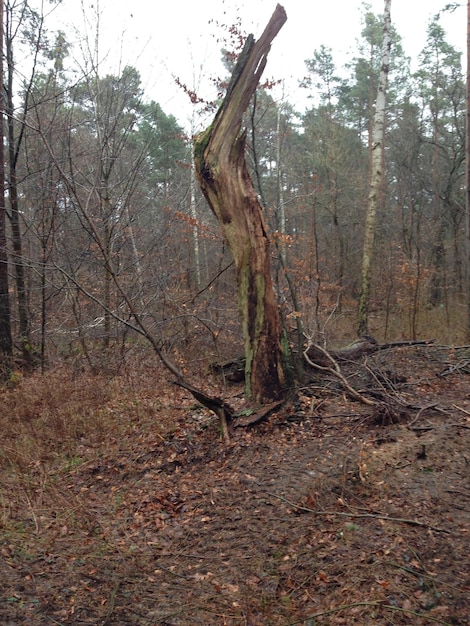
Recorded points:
(336, 371)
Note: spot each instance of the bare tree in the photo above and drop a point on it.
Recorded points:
(224, 179)
(20, 22)
(377, 162)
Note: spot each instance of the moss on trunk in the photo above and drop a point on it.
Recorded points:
(219, 155)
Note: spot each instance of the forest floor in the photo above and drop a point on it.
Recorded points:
(120, 504)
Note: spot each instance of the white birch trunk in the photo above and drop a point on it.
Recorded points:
(195, 233)
(376, 176)
(280, 189)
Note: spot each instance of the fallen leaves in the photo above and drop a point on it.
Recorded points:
(184, 526)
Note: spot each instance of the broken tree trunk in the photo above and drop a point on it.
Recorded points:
(224, 179)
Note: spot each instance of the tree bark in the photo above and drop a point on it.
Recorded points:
(467, 172)
(225, 181)
(16, 237)
(6, 342)
(376, 176)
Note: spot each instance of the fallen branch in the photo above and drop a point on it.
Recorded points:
(250, 417)
(438, 427)
(401, 344)
(365, 346)
(401, 520)
(462, 366)
(335, 371)
(223, 410)
(459, 408)
(420, 412)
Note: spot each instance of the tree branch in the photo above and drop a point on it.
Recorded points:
(401, 520)
(335, 371)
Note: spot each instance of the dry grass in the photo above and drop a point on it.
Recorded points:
(47, 417)
(59, 421)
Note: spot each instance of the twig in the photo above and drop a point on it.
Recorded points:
(211, 282)
(174, 613)
(33, 514)
(439, 427)
(54, 621)
(112, 602)
(389, 607)
(169, 571)
(459, 408)
(199, 557)
(419, 574)
(402, 520)
(420, 412)
(335, 370)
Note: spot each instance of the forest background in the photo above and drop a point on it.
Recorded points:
(105, 224)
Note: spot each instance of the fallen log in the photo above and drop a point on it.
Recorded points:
(233, 370)
(352, 352)
(333, 368)
(362, 347)
(250, 417)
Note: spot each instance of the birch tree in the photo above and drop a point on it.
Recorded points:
(376, 176)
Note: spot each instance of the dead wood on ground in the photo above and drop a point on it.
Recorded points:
(218, 406)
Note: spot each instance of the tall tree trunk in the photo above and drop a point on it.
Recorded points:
(282, 221)
(224, 179)
(467, 171)
(16, 237)
(6, 342)
(195, 230)
(106, 213)
(436, 292)
(378, 136)
(14, 144)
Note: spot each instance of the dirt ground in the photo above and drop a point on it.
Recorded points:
(328, 512)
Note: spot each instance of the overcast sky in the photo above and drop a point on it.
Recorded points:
(180, 37)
